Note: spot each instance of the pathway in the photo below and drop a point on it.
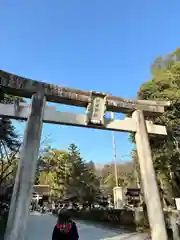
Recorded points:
(41, 226)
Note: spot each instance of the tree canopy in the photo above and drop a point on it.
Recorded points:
(9, 148)
(8, 135)
(164, 85)
(68, 174)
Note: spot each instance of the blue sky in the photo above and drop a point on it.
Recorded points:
(98, 45)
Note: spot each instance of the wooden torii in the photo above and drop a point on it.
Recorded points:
(96, 104)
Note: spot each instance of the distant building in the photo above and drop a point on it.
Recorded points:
(41, 193)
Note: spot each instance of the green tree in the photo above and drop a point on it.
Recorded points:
(42, 165)
(8, 135)
(78, 170)
(68, 174)
(92, 189)
(164, 85)
(8, 165)
(126, 177)
(84, 182)
(55, 171)
(9, 145)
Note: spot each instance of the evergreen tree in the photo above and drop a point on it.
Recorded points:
(78, 170)
(8, 135)
(84, 181)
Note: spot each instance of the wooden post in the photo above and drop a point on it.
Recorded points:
(148, 178)
(20, 201)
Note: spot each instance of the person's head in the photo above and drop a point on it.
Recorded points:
(63, 217)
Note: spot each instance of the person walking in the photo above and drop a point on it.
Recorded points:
(65, 229)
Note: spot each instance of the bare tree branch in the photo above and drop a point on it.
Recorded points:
(7, 162)
(4, 177)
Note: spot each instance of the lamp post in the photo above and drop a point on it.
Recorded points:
(117, 191)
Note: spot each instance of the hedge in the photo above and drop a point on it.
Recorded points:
(117, 218)
(126, 219)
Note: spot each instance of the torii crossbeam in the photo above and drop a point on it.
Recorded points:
(26, 87)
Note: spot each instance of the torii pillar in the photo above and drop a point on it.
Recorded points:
(148, 178)
(20, 200)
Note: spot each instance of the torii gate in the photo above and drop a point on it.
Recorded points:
(96, 104)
